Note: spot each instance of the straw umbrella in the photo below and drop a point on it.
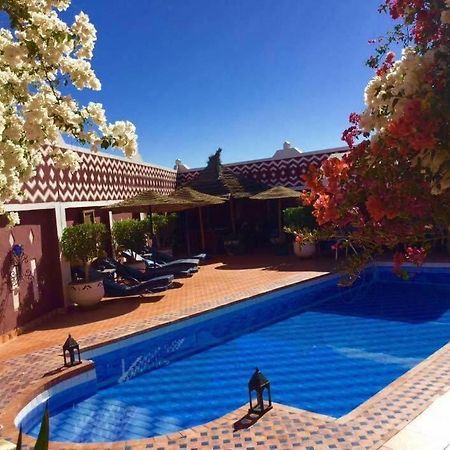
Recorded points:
(197, 200)
(219, 180)
(152, 202)
(277, 193)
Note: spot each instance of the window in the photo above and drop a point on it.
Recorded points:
(88, 216)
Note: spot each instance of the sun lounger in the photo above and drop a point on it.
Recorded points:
(183, 264)
(127, 272)
(159, 284)
(161, 257)
(178, 265)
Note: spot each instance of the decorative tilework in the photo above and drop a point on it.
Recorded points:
(273, 172)
(100, 177)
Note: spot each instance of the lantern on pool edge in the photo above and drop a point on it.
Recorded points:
(259, 384)
(71, 351)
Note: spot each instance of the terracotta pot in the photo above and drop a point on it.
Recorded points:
(86, 294)
(306, 250)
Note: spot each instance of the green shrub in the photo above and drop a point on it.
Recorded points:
(164, 226)
(81, 244)
(299, 217)
(131, 234)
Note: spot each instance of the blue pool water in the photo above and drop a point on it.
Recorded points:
(324, 348)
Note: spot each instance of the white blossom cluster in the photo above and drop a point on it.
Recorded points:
(39, 55)
(386, 95)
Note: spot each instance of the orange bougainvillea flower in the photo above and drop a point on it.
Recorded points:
(392, 189)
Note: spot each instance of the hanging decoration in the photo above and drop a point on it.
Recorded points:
(17, 260)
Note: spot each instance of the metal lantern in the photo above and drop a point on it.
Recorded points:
(259, 384)
(71, 351)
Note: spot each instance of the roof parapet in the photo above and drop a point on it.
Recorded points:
(286, 152)
(180, 167)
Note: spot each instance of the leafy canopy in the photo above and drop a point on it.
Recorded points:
(83, 243)
(131, 234)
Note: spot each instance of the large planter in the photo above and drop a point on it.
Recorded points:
(86, 294)
(304, 250)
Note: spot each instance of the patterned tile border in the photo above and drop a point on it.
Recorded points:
(367, 427)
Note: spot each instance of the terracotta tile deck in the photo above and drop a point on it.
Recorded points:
(30, 362)
(230, 278)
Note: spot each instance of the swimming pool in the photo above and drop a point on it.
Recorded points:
(325, 349)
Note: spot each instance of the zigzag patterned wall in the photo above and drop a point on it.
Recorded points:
(273, 172)
(105, 178)
(99, 178)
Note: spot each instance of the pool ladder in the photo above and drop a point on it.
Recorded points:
(336, 252)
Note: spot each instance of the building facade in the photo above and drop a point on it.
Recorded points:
(285, 168)
(34, 286)
(52, 200)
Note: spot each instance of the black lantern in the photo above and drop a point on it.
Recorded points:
(71, 351)
(259, 383)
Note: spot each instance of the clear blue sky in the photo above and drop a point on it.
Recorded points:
(244, 75)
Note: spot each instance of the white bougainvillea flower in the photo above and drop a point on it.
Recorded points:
(40, 54)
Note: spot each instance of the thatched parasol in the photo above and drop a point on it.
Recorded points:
(150, 201)
(218, 180)
(197, 200)
(189, 195)
(277, 193)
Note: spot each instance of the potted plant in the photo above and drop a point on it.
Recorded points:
(131, 235)
(304, 244)
(80, 245)
(301, 223)
(164, 226)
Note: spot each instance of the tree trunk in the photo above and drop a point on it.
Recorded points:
(86, 272)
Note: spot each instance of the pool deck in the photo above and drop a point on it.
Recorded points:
(390, 420)
(429, 430)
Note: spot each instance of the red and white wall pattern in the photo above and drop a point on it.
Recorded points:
(100, 178)
(273, 172)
